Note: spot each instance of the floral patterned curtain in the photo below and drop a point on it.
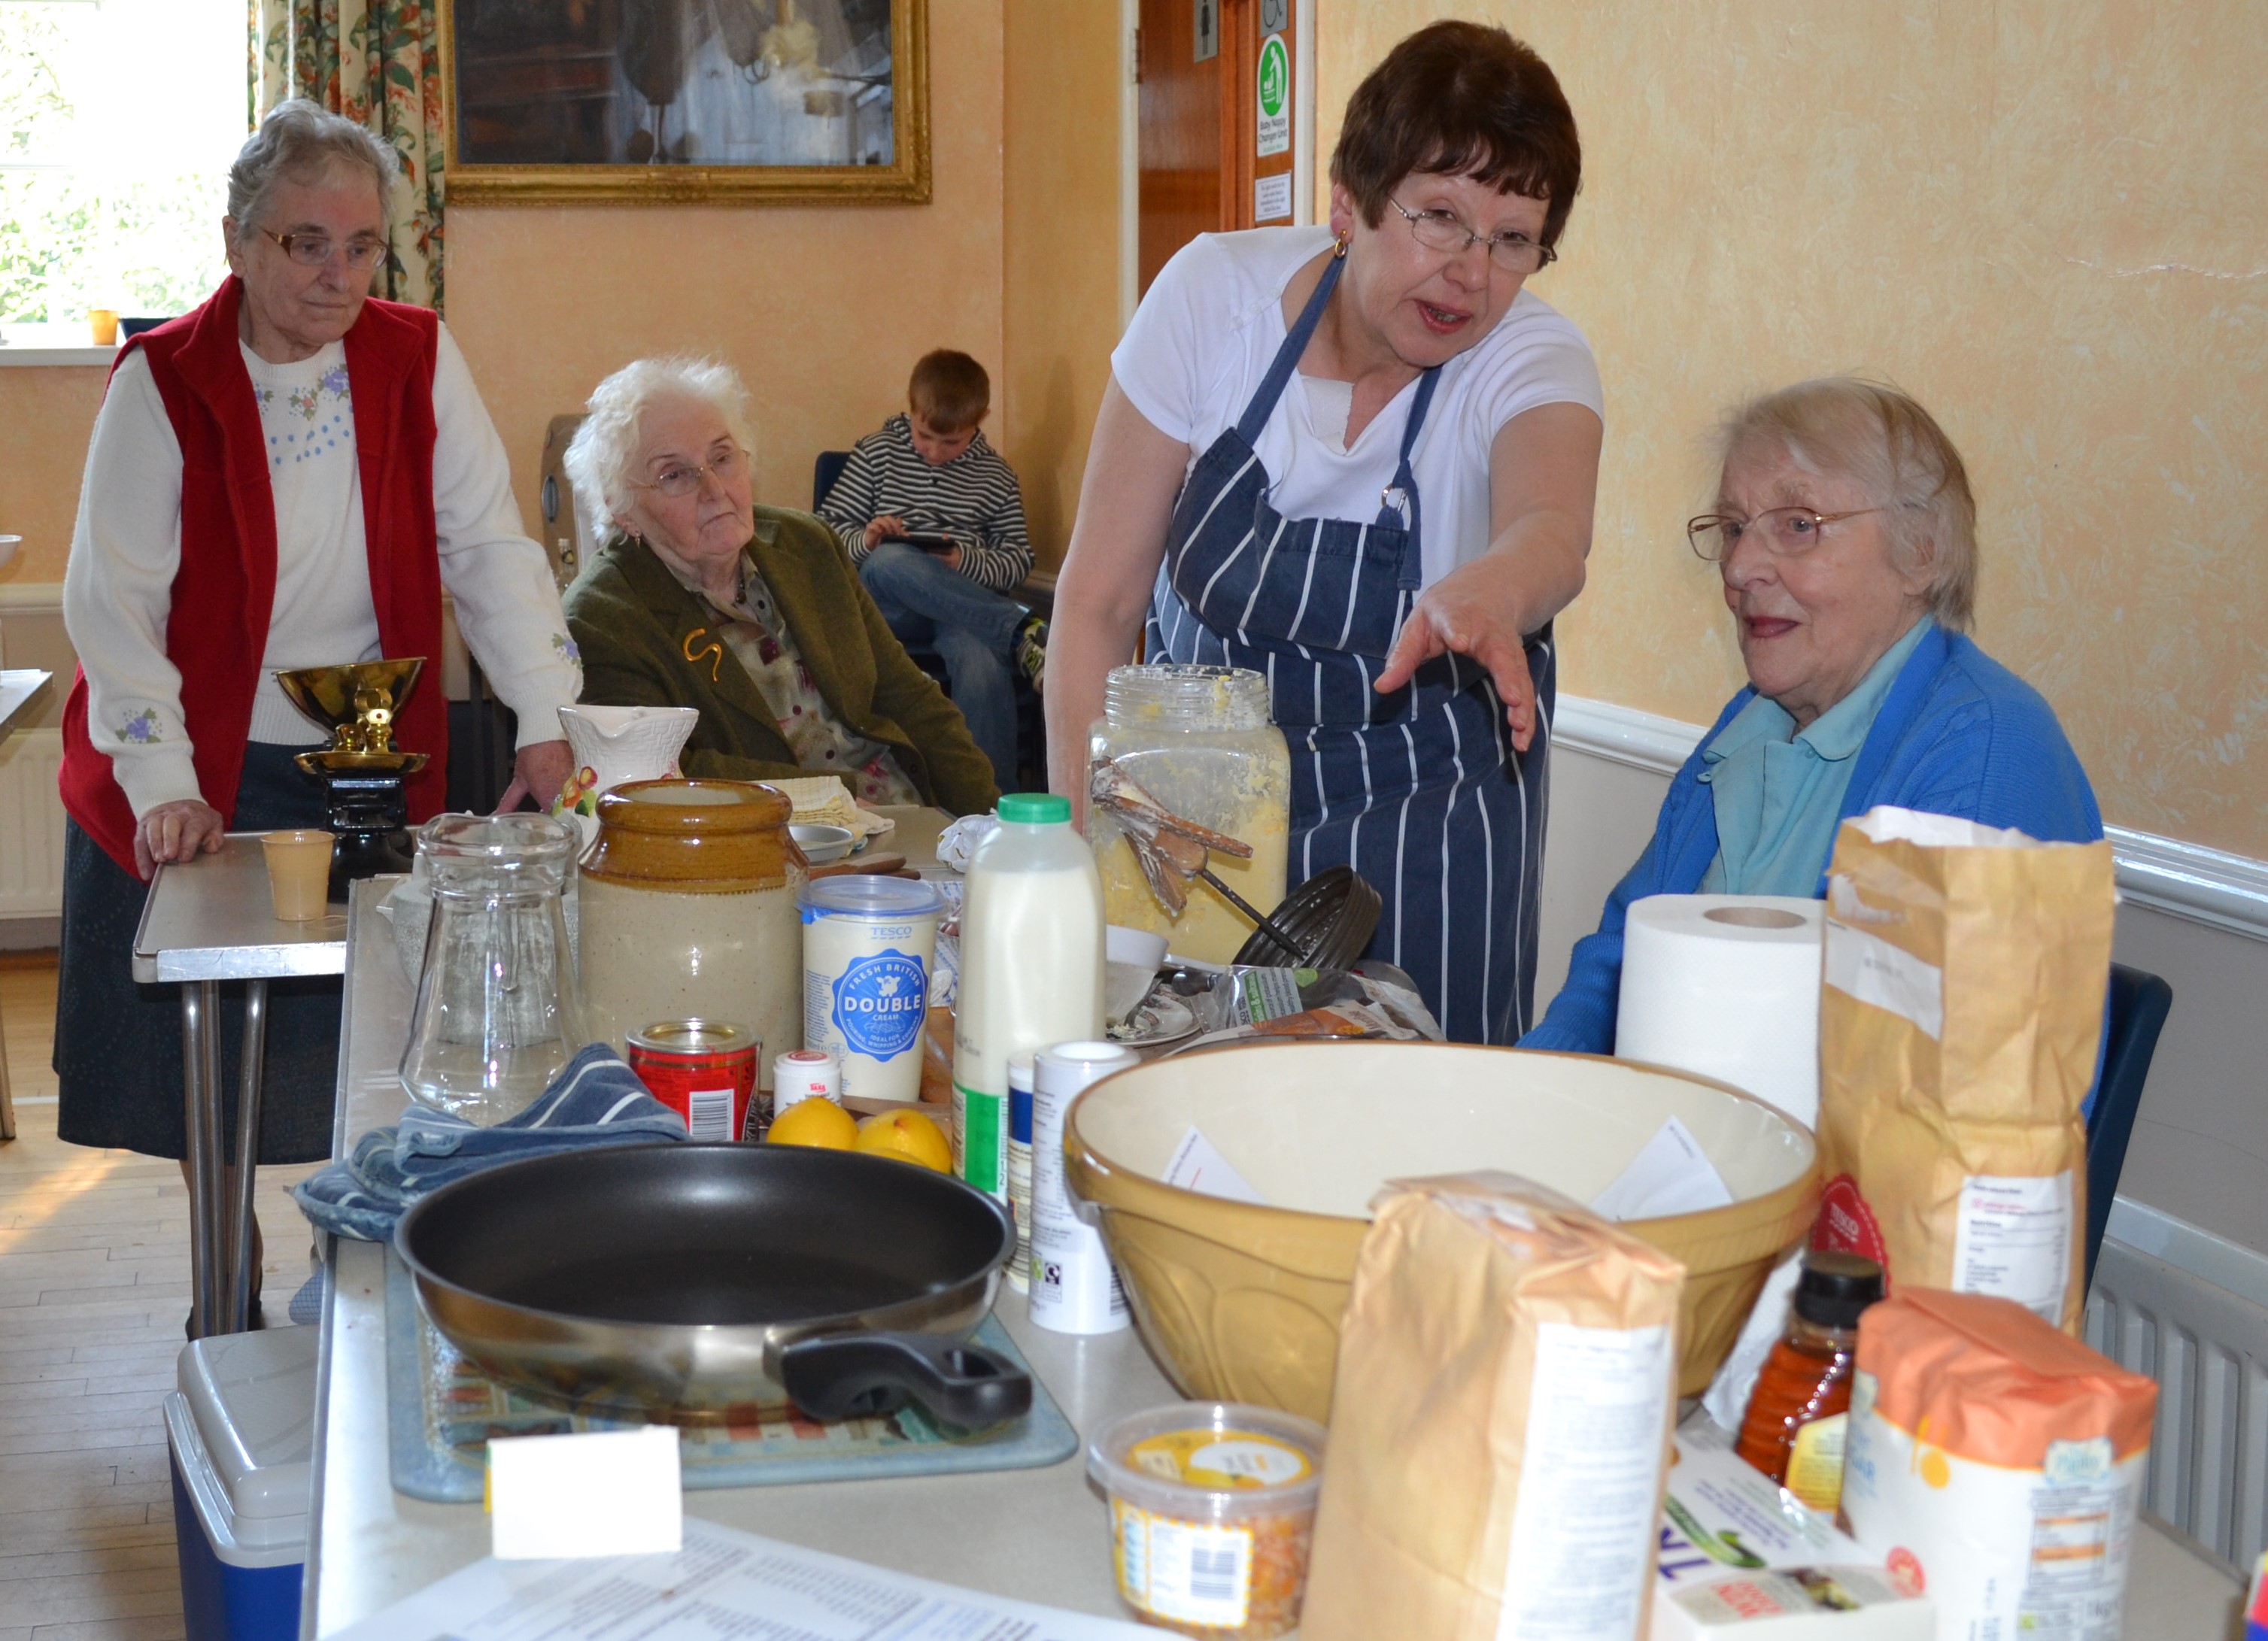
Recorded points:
(377, 61)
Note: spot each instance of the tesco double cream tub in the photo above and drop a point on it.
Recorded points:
(869, 944)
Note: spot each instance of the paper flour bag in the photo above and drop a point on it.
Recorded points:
(1959, 1023)
(1996, 1466)
(1507, 1368)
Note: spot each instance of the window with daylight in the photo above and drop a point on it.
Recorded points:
(118, 121)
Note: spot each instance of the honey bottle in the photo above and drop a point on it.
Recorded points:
(1794, 1429)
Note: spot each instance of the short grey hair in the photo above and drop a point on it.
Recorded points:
(1881, 437)
(605, 448)
(296, 142)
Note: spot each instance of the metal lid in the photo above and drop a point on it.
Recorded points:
(862, 894)
(693, 1036)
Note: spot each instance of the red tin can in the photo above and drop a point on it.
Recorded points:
(704, 1070)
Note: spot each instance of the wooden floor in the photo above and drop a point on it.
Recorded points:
(94, 1282)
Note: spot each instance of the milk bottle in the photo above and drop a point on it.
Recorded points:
(1031, 969)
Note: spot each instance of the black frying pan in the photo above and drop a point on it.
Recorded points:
(683, 1282)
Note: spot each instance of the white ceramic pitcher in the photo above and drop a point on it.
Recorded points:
(616, 744)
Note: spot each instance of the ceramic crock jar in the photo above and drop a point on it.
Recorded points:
(689, 910)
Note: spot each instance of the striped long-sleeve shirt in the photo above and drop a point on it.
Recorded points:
(974, 498)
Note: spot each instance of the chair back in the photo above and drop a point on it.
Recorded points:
(2138, 1006)
(827, 468)
(568, 541)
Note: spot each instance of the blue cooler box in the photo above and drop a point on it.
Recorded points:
(241, 1427)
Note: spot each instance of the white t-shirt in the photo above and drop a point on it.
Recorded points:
(1211, 324)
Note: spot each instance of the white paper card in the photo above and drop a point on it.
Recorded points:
(1671, 1174)
(723, 1583)
(594, 1493)
(2014, 1239)
(1197, 1166)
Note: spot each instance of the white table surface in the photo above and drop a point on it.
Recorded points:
(20, 689)
(1037, 1535)
(211, 918)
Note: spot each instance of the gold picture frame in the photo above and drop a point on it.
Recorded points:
(584, 94)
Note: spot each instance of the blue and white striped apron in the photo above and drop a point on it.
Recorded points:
(1420, 790)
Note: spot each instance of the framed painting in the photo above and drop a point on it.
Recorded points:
(677, 100)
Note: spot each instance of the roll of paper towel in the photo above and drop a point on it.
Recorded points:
(1726, 986)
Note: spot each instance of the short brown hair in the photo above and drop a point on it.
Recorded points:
(1461, 99)
(1881, 437)
(949, 391)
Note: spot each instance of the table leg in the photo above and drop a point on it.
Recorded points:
(7, 1100)
(201, 1097)
(247, 1155)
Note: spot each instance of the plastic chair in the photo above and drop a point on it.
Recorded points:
(827, 468)
(2138, 1006)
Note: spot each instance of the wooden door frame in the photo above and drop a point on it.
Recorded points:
(1305, 170)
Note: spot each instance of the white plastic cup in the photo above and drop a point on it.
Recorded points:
(868, 945)
(1074, 1287)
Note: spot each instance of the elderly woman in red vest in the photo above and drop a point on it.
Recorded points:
(288, 476)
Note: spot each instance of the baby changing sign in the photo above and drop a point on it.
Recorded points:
(880, 1002)
(1275, 97)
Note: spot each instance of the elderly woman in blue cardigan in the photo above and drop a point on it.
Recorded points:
(1845, 535)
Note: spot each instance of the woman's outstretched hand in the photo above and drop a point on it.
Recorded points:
(1470, 612)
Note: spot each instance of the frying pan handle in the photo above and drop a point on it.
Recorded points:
(843, 1376)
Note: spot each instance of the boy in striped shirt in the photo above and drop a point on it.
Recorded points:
(930, 474)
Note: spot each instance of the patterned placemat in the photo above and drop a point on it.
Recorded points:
(441, 1411)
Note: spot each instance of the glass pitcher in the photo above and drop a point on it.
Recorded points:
(499, 1011)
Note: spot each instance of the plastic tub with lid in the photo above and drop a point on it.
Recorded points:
(1213, 1508)
(241, 1428)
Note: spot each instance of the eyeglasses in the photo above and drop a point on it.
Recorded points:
(1786, 530)
(1440, 230)
(312, 250)
(681, 480)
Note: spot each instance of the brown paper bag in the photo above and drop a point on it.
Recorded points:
(1506, 1373)
(1958, 1029)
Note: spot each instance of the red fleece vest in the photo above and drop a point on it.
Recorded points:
(225, 589)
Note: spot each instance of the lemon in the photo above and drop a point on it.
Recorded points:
(815, 1122)
(908, 1136)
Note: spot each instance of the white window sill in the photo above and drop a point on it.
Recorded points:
(51, 344)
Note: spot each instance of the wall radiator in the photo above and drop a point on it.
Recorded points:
(31, 825)
(2207, 1347)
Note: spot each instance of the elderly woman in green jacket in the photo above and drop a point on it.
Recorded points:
(701, 599)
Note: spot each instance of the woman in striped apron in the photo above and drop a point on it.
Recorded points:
(1362, 461)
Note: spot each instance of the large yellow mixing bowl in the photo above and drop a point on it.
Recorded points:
(1242, 1302)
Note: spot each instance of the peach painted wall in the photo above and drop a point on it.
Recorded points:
(1060, 201)
(46, 414)
(822, 309)
(2048, 219)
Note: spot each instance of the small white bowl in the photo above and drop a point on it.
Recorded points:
(822, 845)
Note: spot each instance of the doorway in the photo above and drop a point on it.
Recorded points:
(1216, 89)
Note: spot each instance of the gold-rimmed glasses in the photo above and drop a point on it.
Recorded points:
(681, 479)
(1443, 231)
(312, 250)
(1787, 531)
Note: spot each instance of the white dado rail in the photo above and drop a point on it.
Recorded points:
(2205, 885)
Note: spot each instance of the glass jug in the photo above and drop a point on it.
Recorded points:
(499, 1011)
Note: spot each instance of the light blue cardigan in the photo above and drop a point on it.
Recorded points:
(1959, 734)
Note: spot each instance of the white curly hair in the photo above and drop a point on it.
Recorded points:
(605, 449)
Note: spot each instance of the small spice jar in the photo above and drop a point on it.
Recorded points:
(1212, 1507)
(1201, 741)
(688, 911)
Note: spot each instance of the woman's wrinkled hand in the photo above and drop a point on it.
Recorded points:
(175, 832)
(1467, 611)
(539, 771)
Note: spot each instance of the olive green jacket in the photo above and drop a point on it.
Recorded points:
(646, 642)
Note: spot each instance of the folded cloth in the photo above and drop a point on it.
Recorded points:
(594, 1101)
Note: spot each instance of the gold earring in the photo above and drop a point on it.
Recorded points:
(1339, 244)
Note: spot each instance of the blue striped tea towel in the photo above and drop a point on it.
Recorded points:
(594, 1101)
